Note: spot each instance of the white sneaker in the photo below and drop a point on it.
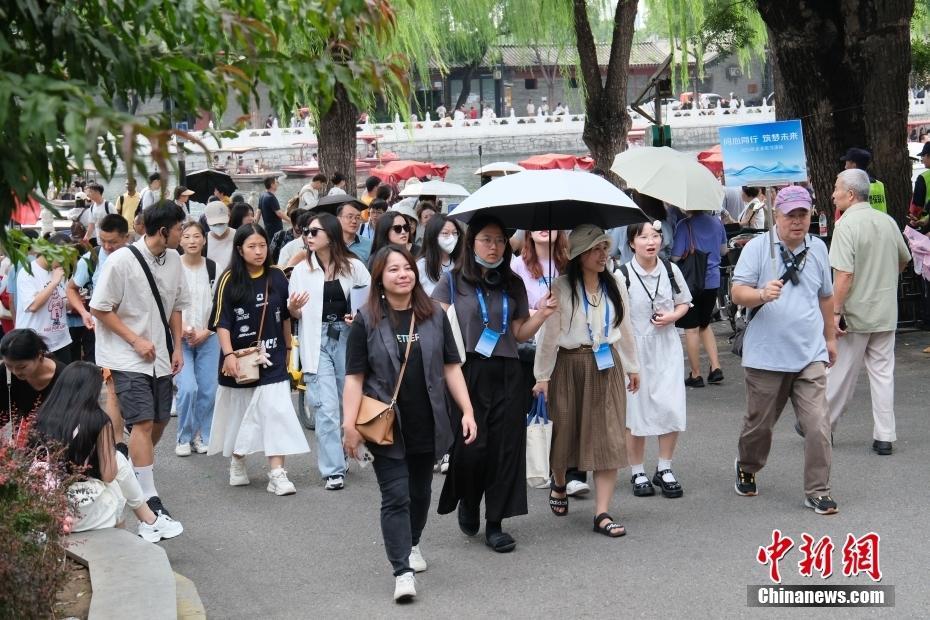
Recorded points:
(444, 464)
(163, 527)
(405, 588)
(199, 446)
(416, 561)
(279, 484)
(183, 449)
(334, 483)
(238, 476)
(577, 488)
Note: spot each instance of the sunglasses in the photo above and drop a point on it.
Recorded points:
(310, 231)
(399, 228)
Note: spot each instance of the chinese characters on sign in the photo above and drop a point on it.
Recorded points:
(860, 555)
(763, 153)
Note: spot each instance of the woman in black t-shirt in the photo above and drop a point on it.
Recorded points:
(423, 428)
(29, 375)
(251, 308)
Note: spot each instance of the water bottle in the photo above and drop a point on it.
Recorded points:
(823, 224)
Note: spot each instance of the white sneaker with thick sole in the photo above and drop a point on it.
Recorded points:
(577, 488)
(238, 476)
(279, 484)
(163, 527)
(182, 449)
(444, 464)
(405, 588)
(199, 446)
(334, 483)
(416, 561)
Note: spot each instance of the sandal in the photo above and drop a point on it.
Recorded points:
(558, 505)
(501, 542)
(609, 528)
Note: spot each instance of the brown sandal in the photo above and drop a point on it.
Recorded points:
(609, 528)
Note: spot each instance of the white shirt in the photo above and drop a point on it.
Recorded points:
(309, 196)
(50, 321)
(97, 213)
(304, 279)
(458, 115)
(198, 283)
(149, 196)
(220, 249)
(757, 221)
(124, 289)
(337, 191)
(290, 248)
(570, 330)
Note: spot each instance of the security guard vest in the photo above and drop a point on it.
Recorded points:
(877, 195)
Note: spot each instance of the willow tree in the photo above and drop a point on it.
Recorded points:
(62, 62)
(842, 67)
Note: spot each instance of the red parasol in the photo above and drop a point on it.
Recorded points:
(403, 169)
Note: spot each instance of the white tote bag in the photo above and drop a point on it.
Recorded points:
(538, 442)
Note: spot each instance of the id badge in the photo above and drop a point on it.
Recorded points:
(487, 342)
(603, 357)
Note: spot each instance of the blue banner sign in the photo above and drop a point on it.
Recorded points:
(763, 153)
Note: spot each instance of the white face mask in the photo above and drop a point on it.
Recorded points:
(219, 229)
(447, 244)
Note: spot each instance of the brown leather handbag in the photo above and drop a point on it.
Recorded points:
(375, 421)
(250, 357)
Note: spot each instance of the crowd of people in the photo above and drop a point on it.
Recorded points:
(458, 328)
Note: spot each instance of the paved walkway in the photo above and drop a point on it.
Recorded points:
(319, 553)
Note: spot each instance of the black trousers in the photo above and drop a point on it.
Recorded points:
(82, 344)
(406, 486)
(494, 465)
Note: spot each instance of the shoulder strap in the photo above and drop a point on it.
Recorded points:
(403, 367)
(451, 288)
(626, 275)
(157, 295)
(671, 276)
(211, 272)
(94, 260)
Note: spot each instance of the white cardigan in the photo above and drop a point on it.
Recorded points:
(309, 279)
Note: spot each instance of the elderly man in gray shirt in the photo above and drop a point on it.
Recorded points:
(788, 345)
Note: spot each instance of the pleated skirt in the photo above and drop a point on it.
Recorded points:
(587, 407)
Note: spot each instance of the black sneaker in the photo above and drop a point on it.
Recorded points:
(883, 448)
(745, 482)
(823, 505)
(694, 382)
(156, 506)
(715, 376)
(643, 489)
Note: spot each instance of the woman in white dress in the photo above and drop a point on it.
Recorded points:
(658, 408)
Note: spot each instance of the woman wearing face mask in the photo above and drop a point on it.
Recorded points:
(441, 249)
(197, 381)
(585, 350)
(252, 306)
(326, 277)
(392, 229)
(30, 373)
(493, 316)
(658, 408)
(220, 237)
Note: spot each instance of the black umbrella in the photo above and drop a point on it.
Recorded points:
(329, 204)
(204, 182)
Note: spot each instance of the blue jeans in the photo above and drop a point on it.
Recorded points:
(197, 389)
(324, 399)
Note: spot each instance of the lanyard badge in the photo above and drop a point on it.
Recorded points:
(489, 338)
(603, 355)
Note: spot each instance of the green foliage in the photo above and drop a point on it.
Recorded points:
(920, 43)
(63, 62)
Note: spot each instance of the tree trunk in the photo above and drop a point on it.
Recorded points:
(470, 70)
(606, 122)
(842, 67)
(337, 139)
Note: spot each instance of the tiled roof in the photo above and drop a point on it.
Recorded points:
(643, 54)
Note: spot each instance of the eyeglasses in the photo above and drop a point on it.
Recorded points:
(491, 240)
(399, 228)
(310, 231)
(350, 218)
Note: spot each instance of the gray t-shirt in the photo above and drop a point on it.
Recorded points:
(785, 335)
(469, 312)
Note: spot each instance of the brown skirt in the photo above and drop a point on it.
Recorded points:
(588, 412)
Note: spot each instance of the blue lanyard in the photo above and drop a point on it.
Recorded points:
(584, 296)
(484, 309)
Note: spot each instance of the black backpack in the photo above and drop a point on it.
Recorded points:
(668, 269)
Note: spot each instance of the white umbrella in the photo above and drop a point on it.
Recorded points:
(434, 188)
(671, 176)
(499, 169)
(551, 200)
